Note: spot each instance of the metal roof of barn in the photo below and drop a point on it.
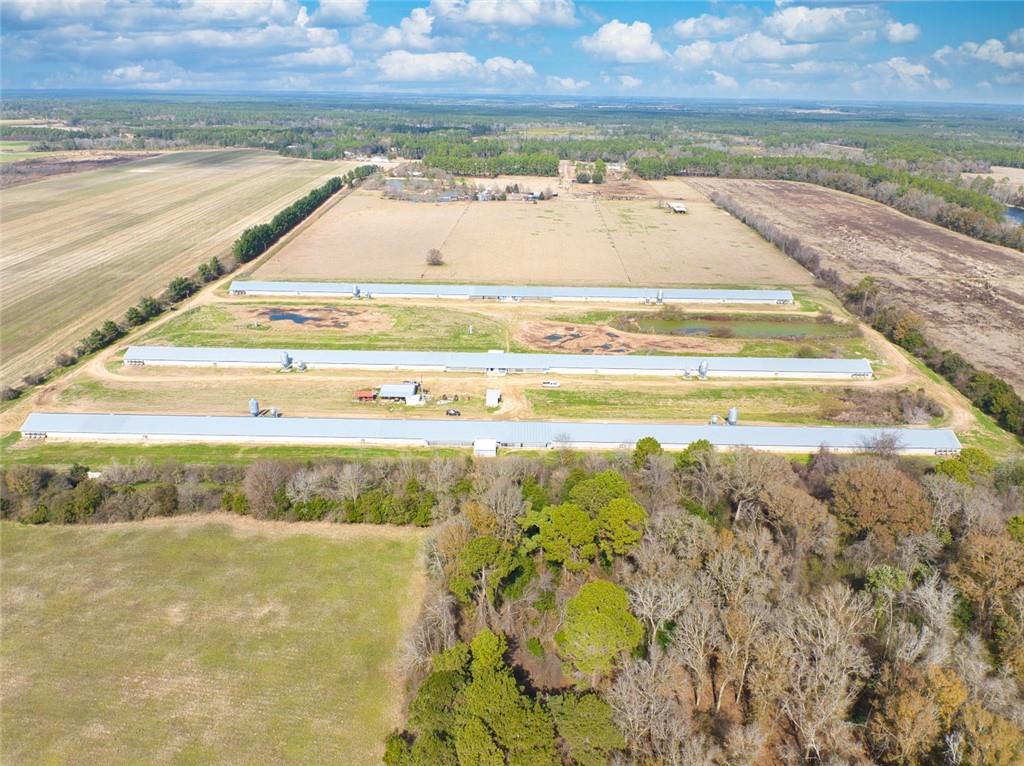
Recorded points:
(465, 432)
(397, 390)
(537, 292)
(455, 360)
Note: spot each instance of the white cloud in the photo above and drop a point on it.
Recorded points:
(238, 11)
(991, 51)
(994, 52)
(707, 25)
(802, 24)
(629, 81)
(895, 32)
(695, 54)
(751, 47)
(43, 11)
(341, 11)
(501, 67)
(513, 13)
(902, 75)
(567, 84)
(332, 55)
(625, 43)
(722, 80)
(757, 46)
(404, 66)
(149, 75)
(414, 31)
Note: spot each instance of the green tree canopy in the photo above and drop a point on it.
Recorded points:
(598, 628)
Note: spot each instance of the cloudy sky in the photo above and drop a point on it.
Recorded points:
(960, 51)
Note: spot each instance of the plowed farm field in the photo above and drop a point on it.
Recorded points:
(575, 238)
(969, 293)
(80, 249)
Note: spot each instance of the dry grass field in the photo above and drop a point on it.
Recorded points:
(572, 239)
(194, 640)
(79, 249)
(999, 173)
(970, 294)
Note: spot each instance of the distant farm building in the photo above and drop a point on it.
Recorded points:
(399, 392)
(502, 363)
(656, 295)
(475, 434)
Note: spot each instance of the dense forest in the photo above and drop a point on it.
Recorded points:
(647, 608)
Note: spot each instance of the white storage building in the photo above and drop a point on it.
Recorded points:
(508, 292)
(471, 433)
(506, 363)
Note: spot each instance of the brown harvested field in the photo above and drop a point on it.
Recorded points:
(573, 239)
(970, 294)
(79, 249)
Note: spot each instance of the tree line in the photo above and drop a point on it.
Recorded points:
(646, 608)
(947, 203)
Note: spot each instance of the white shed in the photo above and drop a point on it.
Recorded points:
(485, 447)
(492, 398)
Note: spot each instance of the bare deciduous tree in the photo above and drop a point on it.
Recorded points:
(650, 719)
(656, 601)
(434, 257)
(750, 474)
(828, 667)
(434, 632)
(693, 642)
(505, 500)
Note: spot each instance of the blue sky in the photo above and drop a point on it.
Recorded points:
(965, 51)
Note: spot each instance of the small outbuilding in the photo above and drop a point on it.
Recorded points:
(485, 447)
(492, 398)
(398, 391)
(364, 395)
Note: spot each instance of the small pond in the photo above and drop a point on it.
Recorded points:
(744, 328)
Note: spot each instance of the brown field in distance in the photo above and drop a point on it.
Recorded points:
(576, 238)
(970, 294)
(80, 249)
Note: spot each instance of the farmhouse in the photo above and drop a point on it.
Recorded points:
(467, 433)
(506, 363)
(509, 292)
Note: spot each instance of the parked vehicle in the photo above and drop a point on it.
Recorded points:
(453, 413)
(550, 384)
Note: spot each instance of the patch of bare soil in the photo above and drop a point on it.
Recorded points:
(969, 293)
(357, 321)
(623, 188)
(27, 171)
(605, 339)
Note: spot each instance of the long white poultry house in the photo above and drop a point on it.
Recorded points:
(501, 363)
